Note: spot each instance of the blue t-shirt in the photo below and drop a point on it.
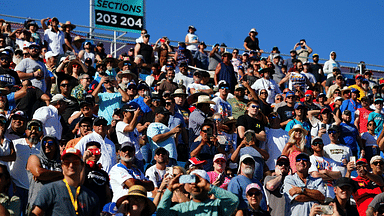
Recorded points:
(348, 135)
(108, 102)
(350, 105)
(11, 101)
(238, 187)
(143, 106)
(379, 120)
(156, 128)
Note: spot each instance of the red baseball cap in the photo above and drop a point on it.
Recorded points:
(71, 151)
(195, 161)
(309, 92)
(362, 160)
(359, 76)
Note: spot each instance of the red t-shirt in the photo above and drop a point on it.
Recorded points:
(366, 191)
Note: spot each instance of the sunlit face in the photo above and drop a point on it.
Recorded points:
(71, 165)
(219, 165)
(343, 192)
(253, 109)
(254, 197)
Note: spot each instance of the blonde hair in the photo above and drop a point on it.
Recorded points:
(293, 140)
(181, 169)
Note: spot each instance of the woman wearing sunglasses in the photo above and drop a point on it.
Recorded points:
(254, 196)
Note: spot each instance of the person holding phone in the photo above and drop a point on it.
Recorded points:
(224, 204)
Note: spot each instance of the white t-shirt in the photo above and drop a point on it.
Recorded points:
(17, 168)
(192, 37)
(108, 150)
(132, 137)
(310, 76)
(155, 175)
(337, 153)
(22, 43)
(370, 140)
(323, 163)
(186, 81)
(88, 55)
(117, 177)
(222, 107)
(197, 87)
(274, 144)
(55, 40)
(50, 118)
(269, 85)
(316, 126)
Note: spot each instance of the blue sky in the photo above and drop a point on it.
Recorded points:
(353, 29)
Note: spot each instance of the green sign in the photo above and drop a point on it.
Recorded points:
(120, 15)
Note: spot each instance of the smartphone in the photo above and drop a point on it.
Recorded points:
(323, 126)
(326, 209)
(187, 179)
(169, 170)
(220, 175)
(248, 137)
(209, 132)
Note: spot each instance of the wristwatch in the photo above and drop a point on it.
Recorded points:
(302, 189)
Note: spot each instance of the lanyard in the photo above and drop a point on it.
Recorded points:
(354, 107)
(74, 201)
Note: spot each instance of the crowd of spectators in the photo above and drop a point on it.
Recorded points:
(84, 133)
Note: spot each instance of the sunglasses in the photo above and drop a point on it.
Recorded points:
(158, 100)
(264, 93)
(378, 162)
(273, 117)
(331, 132)
(64, 85)
(255, 106)
(5, 59)
(279, 99)
(317, 143)
(168, 103)
(336, 92)
(87, 78)
(127, 63)
(50, 143)
(256, 193)
(33, 127)
(131, 149)
(217, 119)
(75, 66)
(281, 163)
(289, 97)
(302, 159)
(226, 88)
(75, 162)
(205, 131)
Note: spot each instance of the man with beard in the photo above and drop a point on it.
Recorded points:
(85, 127)
(18, 125)
(316, 69)
(239, 184)
(50, 115)
(296, 79)
(168, 84)
(5, 62)
(33, 69)
(44, 167)
(25, 147)
(156, 173)
(224, 204)
(221, 104)
(123, 175)
(238, 103)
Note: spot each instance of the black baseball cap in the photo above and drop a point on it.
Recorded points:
(161, 150)
(100, 121)
(343, 181)
(162, 110)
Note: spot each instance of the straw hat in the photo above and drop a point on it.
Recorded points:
(78, 39)
(68, 24)
(120, 74)
(121, 63)
(178, 92)
(191, 99)
(109, 57)
(298, 127)
(204, 99)
(138, 190)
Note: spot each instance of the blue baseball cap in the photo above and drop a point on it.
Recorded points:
(353, 90)
(298, 105)
(110, 208)
(290, 93)
(33, 44)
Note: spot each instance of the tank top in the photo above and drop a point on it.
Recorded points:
(146, 51)
(364, 113)
(227, 73)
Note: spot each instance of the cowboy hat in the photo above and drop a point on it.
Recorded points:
(78, 39)
(68, 24)
(178, 92)
(125, 60)
(298, 127)
(204, 99)
(193, 97)
(138, 190)
(114, 61)
(120, 74)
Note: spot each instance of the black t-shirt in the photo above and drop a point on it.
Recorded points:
(314, 69)
(147, 117)
(97, 181)
(311, 106)
(330, 81)
(12, 73)
(286, 113)
(31, 101)
(266, 109)
(253, 45)
(250, 123)
(146, 51)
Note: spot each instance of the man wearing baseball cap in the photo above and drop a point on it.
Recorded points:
(352, 104)
(301, 189)
(50, 115)
(224, 204)
(368, 184)
(349, 135)
(67, 196)
(99, 134)
(273, 185)
(286, 112)
(18, 125)
(217, 176)
(5, 63)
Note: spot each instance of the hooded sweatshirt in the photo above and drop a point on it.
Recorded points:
(53, 165)
(330, 64)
